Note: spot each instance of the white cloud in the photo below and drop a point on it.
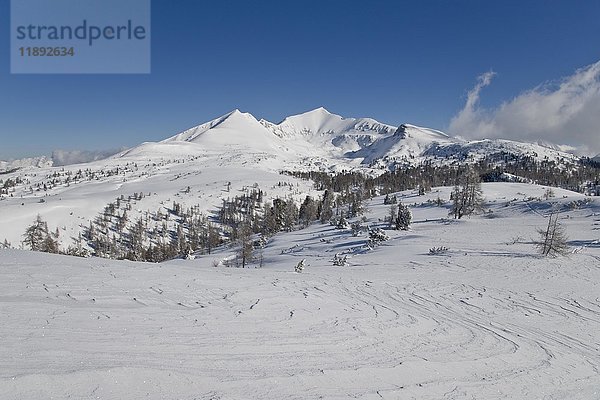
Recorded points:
(564, 113)
(68, 157)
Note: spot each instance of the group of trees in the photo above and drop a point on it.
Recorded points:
(577, 176)
(37, 237)
(6, 185)
(177, 231)
(155, 237)
(247, 219)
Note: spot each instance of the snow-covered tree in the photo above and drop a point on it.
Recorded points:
(404, 218)
(356, 228)
(377, 236)
(342, 223)
(300, 266)
(50, 243)
(390, 199)
(340, 261)
(290, 215)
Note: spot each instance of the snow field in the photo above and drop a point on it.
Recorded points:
(488, 319)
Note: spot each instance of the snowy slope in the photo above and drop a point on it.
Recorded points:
(408, 144)
(234, 148)
(162, 178)
(486, 320)
(34, 162)
(235, 129)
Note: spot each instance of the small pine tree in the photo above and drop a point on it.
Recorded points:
(50, 243)
(393, 215)
(300, 266)
(342, 223)
(36, 234)
(553, 239)
(356, 228)
(308, 211)
(404, 218)
(467, 195)
(340, 261)
(390, 199)
(245, 252)
(549, 193)
(326, 207)
(377, 236)
(213, 237)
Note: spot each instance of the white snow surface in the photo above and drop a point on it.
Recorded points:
(488, 319)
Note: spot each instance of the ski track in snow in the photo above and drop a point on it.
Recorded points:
(485, 321)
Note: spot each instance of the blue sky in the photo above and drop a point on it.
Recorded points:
(395, 61)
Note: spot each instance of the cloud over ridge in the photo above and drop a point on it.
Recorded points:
(69, 157)
(567, 112)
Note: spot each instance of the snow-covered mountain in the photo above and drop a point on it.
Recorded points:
(448, 309)
(319, 139)
(37, 162)
(210, 163)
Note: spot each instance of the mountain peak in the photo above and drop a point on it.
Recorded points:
(236, 114)
(314, 121)
(235, 120)
(321, 110)
(233, 112)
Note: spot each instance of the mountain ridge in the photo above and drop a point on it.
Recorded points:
(321, 139)
(341, 141)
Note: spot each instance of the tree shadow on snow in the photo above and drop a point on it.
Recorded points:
(594, 244)
(507, 254)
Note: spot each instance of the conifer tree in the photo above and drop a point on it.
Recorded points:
(35, 234)
(553, 240)
(308, 211)
(245, 243)
(326, 209)
(404, 218)
(467, 195)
